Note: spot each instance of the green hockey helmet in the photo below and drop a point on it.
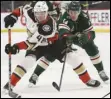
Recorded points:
(74, 6)
(74, 9)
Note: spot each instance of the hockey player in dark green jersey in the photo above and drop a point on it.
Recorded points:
(76, 23)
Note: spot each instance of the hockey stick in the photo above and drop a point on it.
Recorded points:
(58, 87)
(106, 95)
(11, 94)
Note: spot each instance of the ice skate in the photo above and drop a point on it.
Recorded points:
(93, 83)
(33, 80)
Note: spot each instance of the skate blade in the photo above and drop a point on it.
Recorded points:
(4, 91)
(31, 85)
(100, 86)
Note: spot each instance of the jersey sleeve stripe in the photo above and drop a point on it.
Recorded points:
(61, 26)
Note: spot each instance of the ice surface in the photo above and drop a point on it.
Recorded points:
(72, 87)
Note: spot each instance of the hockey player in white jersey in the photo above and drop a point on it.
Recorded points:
(41, 28)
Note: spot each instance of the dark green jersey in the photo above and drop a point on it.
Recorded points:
(66, 25)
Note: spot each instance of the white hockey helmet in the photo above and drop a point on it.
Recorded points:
(41, 11)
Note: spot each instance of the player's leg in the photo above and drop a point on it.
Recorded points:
(78, 67)
(51, 53)
(93, 52)
(40, 68)
(22, 68)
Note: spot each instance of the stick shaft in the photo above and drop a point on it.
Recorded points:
(9, 41)
(63, 70)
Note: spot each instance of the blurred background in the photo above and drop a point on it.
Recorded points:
(99, 13)
(7, 6)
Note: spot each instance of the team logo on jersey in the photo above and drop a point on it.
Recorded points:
(46, 28)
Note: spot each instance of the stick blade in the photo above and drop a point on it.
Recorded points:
(56, 86)
(106, 95)
(14, 95)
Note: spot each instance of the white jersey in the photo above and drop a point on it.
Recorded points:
(38, 33)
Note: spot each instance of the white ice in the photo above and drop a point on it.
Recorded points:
(72, 87)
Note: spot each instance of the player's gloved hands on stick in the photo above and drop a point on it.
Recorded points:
(69, 42)
(86, 37)
(83, 39)
(69, 39)
(10, 20)
(11, 49)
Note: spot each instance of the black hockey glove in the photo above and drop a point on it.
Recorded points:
(69, 42)
(84, 38)
(11, 49)
(10, 20)
(70, 39)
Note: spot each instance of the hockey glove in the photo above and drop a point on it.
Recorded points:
(10, 20)
(70, 39)
(84, 38)
(11, 49)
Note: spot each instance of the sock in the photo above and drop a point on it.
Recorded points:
(96, 60)
(41, 66)
(99, 66)
(82, 73)
(17, 75)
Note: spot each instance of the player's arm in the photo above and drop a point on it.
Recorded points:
(12, 18)
(63, 26)
(64, 29)
(88, 34)
(29, 44)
